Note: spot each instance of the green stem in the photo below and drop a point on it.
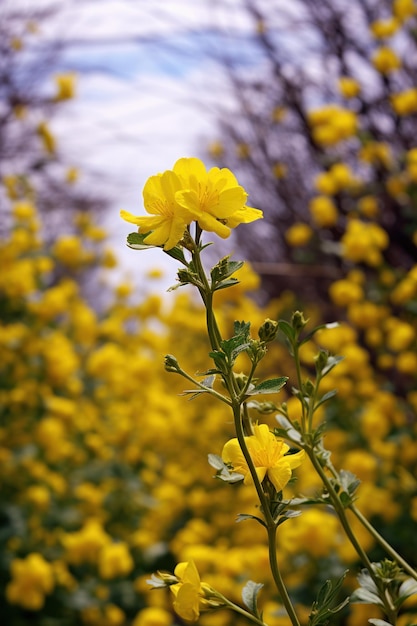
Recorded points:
(239, 609)
(373, 531)
(273, 561)
(341, 513)
(209, 390)
(383, 543)
(269, 520)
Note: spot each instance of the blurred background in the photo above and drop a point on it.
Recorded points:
(313, 106)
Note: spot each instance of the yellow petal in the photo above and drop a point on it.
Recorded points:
(280, 475)
(295, 460)
(187, 602)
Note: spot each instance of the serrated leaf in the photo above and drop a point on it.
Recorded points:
(274, 385)
(250, 594)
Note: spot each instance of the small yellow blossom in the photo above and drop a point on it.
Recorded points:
(299, 234)
(115, 561)
(269, 456)
(382, 29)
(404, 9)
(332, 124)
(323, 211)
(65, 84)
(32, 580)
(153, 616)
(47, 138)
(405, 102)
(385, 60)
(344, 292)
(349, 87)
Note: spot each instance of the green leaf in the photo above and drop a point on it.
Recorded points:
(288, 330)
(135, 241)
(273, 385)
(332, 361)
(311, 334)
(364, 596)
(250, 594)
(177, 253)
(222, 270)
(289, 429)
(327, 396)
(223, 472)
(225, 284)
(407, 589)
(243, 517)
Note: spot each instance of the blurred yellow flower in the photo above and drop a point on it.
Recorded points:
(32, 580)
(65, 84)
(323, 211)
(385, 60)
(349, 87)
(298, 234)
(405, 102)
(115, 561)
(269, 456)
(382, 29)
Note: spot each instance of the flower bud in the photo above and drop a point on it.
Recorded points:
(268, 331)
(171, 363)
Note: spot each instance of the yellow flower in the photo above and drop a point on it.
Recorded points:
(214, 198)
(385, 60)
(323, 211)
(349, 87)
(299, 234)
(115, 561)
(269, 456)
(384, 28)
(32, 580)
(65, 84)
(403, 9)
(168, 220)
(405, 102)
(191, 596)
(191, 193)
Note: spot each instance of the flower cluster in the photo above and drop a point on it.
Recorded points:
(188, 193)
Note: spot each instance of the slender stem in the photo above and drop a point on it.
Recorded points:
(272, 543)
(341, 513)
(239, 609)
(269, 520)
(373, 531)
(209, 390)
(383, 543)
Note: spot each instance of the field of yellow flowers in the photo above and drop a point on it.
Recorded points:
(104, 464)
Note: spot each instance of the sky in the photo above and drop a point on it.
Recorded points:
(147, 94)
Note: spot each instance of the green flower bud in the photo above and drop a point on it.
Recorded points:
(171, 364)
(298, 321)
(268, 331)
